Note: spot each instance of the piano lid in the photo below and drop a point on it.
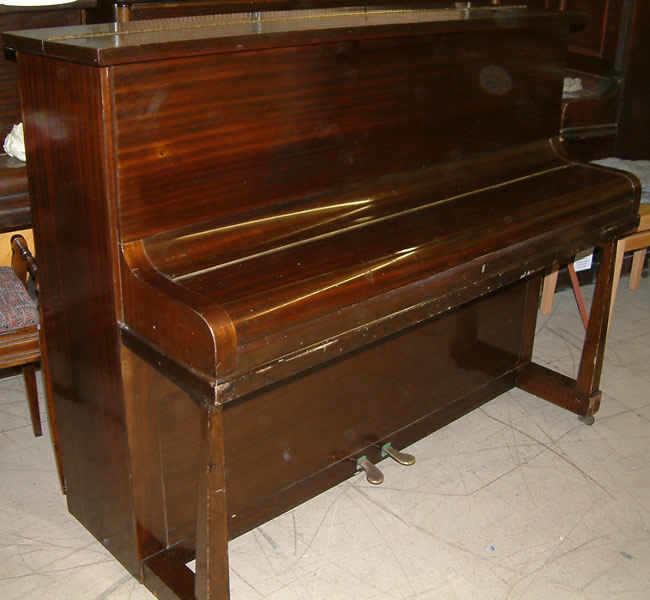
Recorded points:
(116, 43)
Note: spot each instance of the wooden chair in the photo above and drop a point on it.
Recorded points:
(548, 291)
(637, 240)
(19, 318)
(20, 343)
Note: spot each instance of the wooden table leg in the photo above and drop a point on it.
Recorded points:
(212, 582)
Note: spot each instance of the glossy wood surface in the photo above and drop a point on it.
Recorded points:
(79, 297)
(337, 423)
(381, 215)
(344, 117)
(18, 347)
(130, 42)
(612, 45)
(402, 243)
(345, 225)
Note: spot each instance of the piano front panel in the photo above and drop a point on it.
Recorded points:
(254, 128)
(305, 434)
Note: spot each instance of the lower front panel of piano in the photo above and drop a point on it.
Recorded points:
(289, 442)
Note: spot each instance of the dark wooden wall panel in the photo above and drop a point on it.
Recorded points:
(634, 117)
(598, 39)
(592, 48)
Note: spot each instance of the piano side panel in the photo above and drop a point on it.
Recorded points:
(76, 246)
(270, 125)
(290, 441)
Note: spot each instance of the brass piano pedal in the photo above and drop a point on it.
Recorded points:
(373, 474)
(401, 457)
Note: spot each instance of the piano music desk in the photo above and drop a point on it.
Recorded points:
(281, 244)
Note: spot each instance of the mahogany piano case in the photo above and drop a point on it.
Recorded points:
(276, 248)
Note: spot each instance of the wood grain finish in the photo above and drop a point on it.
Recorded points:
(329, 401)
(79, 299)
(612, 46)
(344, 117)
(336, 220)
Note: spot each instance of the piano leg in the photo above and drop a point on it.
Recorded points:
(176, 446)
(580, 395)
(593, 351)
(212, 528)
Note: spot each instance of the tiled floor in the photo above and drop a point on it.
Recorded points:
(516, 500)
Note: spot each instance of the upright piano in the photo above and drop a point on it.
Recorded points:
(278, 248)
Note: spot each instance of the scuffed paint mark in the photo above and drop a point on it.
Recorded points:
(317, 348)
